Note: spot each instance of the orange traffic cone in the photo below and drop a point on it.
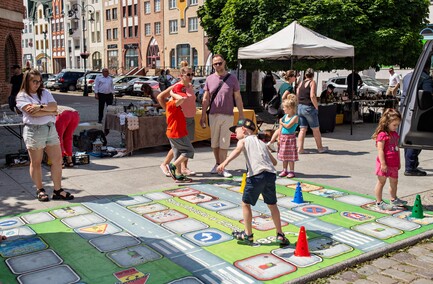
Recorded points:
(302, 244)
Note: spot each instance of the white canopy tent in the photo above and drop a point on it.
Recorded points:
(296, 42)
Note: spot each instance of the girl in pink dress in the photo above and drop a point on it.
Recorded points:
(388, 158)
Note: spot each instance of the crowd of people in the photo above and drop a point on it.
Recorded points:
(48, 128)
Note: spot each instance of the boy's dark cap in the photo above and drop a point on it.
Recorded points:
(15, 66)
(247, 123)
(331, 86)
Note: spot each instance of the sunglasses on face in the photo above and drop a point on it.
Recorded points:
(189, 74)
(36, 82)
(217, 64)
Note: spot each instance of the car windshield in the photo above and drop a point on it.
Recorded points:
(372, 82)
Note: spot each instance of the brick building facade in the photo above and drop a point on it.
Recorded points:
(11, 25)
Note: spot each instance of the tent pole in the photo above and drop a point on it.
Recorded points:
(352, 105)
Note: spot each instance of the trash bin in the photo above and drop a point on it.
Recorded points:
(327, 115)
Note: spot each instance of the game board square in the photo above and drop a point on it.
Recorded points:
(198, 198)
(285, 181)
(398, 223)
(377, 230)
(181, 191)
(327, 247)
(9, 223)
(207, 237)
(36, 218)
(164, 216)
(147, 208)
(288, 254)
(355, 216)
(132, 200)
(186, 280)
(217, 205)
(97, 230)
(18, 233)
(114, 242)
(21, 246)
(264, 223)
(354, 199)
(133, 256)
(265, 266)
(287, 202)
(184, 225)
(61, 274)
(314, 210)
(157, 195)
(70, 211)
(372, 207)
(329, 193)
(82, 220)
(406, 215)
(33, 261)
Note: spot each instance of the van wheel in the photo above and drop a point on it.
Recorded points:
(72, 88)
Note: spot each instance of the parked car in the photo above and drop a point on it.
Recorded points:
(140, 88)
(66, 80)
(370, 88)
(279, 81)
(49, 83)
(416, 129)
(90, 77)
(124, 85)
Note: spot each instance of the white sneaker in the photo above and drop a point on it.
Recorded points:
(271, 146)
(214, 169)
(226, 174)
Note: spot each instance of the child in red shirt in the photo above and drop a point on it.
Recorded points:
(178, 137)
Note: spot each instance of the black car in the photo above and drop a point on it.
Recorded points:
(66, 80)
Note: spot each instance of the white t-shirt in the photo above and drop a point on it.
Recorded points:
(257, 156)
(24, 99)
(394, 79)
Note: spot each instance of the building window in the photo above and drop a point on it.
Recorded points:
(124, 33)
(173, 26)
(194, 57)
(36, 29)
(192, 24)
(112, 59)
(129, 10)
(136, 31)
(108, 15)
(131, 58)
(96, 61)
(130, 34)
(147, 29)
(172, 59)
(172, 4)
(115, 35)
(37, 45)
(124, 11)
(152, 56)
(183, 53)
(135, 10)
(147, 7)
(108, 34)
(114, 13)
(193, 2)
(158, 28)
(157, 5)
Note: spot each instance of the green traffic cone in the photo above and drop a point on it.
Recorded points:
(417, 211)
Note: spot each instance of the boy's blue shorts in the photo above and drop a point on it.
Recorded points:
(263, 183)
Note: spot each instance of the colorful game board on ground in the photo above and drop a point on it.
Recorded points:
(183, 235)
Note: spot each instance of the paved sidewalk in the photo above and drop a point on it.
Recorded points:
(348, 165)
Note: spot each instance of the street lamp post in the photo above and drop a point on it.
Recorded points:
(45, 51)
(75, 10)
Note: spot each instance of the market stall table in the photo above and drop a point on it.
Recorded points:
(18, 134)
(152, 129)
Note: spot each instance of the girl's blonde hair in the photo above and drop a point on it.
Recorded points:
(183, 63)
(389, 115)
(290, 102)
(185, 69)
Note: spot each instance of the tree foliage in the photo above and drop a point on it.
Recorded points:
(384, 32)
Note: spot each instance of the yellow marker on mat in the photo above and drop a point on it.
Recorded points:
(244, 182)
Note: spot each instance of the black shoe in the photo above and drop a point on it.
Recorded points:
(415, 172)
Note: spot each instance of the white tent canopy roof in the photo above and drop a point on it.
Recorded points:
(297, 42)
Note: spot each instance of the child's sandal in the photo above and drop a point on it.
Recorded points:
(41, 195)
(282, 240)
(58, 196)
(242, 236)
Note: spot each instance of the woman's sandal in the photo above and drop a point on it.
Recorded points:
(42, 195)
(69, 164)
(58, 196)
(242, 236)
(282, 240)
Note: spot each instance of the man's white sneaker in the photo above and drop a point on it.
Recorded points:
(214, 169)
(225, 174)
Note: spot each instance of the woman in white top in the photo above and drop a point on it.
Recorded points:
(39, 115)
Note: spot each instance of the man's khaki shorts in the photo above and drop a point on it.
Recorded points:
(219, 130)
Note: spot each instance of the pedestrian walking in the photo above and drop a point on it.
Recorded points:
(388, 158)
(104, 90)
